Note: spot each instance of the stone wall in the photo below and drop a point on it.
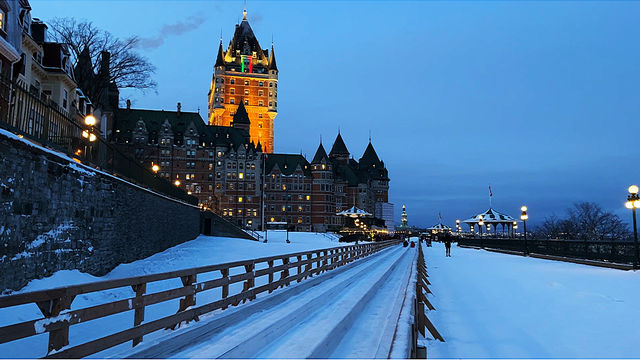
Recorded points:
(56, 214)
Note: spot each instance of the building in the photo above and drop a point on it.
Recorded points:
(288, 192)
(245, 74)
(217, 164)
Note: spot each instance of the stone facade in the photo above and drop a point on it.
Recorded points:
(56, 214)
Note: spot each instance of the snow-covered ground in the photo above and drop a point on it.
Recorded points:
(492, 305)
(198, 252)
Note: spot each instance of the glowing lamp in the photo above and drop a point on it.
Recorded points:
(90, 120)
(85, 134)
(92, 137)
(177, 183)
(155, 168)
(633, 189)
(524, 217)
(636, 204)
(523, 208)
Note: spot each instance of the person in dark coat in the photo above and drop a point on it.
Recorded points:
(447, 244)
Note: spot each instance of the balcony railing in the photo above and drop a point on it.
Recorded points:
(25, 112)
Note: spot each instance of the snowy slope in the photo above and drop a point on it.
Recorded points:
(491, 305)
(198, 252)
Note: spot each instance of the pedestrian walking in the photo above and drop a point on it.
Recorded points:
(447, 244)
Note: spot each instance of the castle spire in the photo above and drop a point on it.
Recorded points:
(244, 11)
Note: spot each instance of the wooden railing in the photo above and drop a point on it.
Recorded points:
(422, 322)
(605, 251)
(55, 304)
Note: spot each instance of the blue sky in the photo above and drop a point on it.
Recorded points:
(540, 100)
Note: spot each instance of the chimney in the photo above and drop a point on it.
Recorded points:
(128, 104)
(38, 31)
(179, 108)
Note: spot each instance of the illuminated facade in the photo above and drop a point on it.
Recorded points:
(245, 73)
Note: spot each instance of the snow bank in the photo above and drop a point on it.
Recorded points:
(492, 305)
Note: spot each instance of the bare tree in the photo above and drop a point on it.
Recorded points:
(585, 221)
(127, 68)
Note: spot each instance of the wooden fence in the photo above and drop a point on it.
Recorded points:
(422, 322)
(55, 304)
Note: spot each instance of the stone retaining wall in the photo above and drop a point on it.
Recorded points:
(56, 214)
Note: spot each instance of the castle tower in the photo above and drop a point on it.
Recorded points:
(403, 219)
(245, 73)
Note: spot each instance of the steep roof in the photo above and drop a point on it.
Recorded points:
(272, 60)
(369, 157)
(287, 163)
(245, 40)
(126, 119)
(320, 154)
(339, 148)
(220, 57)
(241, 116)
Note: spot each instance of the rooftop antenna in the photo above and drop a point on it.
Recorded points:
(338, 129)
(244, 11)
(369, 135)
(221, 35)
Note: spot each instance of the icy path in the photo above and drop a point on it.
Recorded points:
(347, 312)
(491, 305)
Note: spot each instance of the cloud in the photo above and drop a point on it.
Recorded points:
(175, 29)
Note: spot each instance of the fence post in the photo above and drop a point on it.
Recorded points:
(285, 272)
(138, 316)
(225, 288)
(299, 258)
(250, 282)
(270, 264)
(52, 308)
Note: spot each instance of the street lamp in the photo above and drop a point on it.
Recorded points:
(177, 183)
(480, 224)
(155, 168)
(524, 216)
(633, 202)
(458, 226)
(90, 120)
(513, 231)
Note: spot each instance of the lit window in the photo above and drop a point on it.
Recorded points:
(246, 82)
(246, 92)
(239, 199)
(241, 175)
(308, 197)
(2, 21)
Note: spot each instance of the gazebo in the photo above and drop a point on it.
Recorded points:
(494, 219)
(439, 228)
(354, 212)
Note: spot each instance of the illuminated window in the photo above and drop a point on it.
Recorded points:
(241, 175)
(308, 197)
(246, 82)
(2, 19)
(324, 166)
(246, 102)
(260, 103)
(272, 219)
(246, 92)
(260, 92)
(233, 90)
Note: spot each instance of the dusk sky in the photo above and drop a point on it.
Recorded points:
(540, 100)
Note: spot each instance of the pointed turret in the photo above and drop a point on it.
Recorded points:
(339, 148)
(241, 118)
(259, 147)
(272, 59)
(220, 58)
(321, 155)
(369, 157)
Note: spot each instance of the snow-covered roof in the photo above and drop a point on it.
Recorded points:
(354, 212)
(490, 216)
(439, 227)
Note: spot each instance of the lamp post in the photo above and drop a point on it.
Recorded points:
(513, 229)
(155, 168)
(524, 216)
(480, 224)
(633, 202)
(458, 226)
